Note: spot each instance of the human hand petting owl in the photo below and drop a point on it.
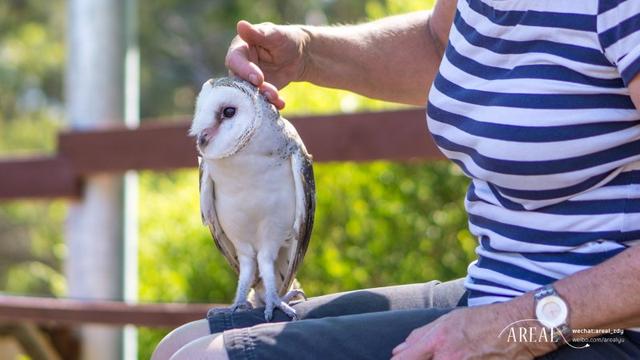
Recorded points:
(268, 56)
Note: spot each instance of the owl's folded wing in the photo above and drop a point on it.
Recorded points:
(210, 218)
(301, 165)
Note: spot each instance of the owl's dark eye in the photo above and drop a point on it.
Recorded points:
(228, 112)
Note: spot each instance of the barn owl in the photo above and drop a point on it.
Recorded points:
(257, 191)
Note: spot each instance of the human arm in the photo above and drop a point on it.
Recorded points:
(393, 59)
(602, 297)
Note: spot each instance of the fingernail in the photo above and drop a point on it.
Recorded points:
(253, 78)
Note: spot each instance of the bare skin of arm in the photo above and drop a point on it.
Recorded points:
(602, 297)
(393, 59)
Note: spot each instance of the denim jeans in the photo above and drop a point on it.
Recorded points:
(363, 324)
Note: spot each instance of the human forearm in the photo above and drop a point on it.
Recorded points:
(393, 59)
(603, 296)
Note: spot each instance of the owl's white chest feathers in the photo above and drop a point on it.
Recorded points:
(255, 195)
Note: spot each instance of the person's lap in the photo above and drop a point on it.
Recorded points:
(358, 336)
(365, 324)
(433, 294)
(372, 336)
(403, 297)
(331, 326)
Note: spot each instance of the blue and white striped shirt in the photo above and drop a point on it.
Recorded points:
(531, 101)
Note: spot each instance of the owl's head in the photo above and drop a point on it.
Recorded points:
(228, 111)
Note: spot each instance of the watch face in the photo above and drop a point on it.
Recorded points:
(552, 311)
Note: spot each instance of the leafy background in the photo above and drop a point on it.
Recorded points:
(377, 223)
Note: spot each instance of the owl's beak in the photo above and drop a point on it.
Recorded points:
(205, 137)
(203, 140)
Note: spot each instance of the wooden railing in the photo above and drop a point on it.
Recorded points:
(393, 135)
(73, 312)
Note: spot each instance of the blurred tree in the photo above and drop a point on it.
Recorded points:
(31, 72)
(31, 58)
(183, 43)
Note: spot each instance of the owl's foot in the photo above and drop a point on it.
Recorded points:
(241, 306)
(280, 303)
(293, 294)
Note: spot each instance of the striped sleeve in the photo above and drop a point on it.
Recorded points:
(619, 35)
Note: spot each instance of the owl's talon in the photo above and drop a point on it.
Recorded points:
(282, 305)
(292, 294)
(268, 314)
(243, 306)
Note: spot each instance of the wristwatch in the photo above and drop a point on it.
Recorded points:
(552, 312)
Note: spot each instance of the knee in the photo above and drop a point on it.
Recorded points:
(179, 337)
(209, 347)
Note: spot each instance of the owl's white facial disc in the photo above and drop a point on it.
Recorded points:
(224, 120)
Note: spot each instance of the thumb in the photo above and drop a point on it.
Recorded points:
(255, 34)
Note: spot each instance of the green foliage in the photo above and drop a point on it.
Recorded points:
(31, 72)
(184, 43)
(383, 223)
(177, 260)
(31, 56)
(30, 133)
(305, 98)
(32, 248)
(376, 10)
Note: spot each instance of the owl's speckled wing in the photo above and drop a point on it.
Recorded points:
(208, 204)
(289, 261)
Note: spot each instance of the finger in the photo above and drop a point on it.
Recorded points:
(262, 35)
(410, 340)
(416, 351)
(418, 337)
(418, 333)
(271, 92)
(237, 62)
(414, 336)
(400, 348)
